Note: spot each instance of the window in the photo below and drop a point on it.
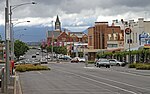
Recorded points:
(136, 37)
(133, 37)
(120, 35)
(90, 40)
(109, 36)
(112, 45)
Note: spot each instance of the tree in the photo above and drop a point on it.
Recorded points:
(20, 48)
(58, 49)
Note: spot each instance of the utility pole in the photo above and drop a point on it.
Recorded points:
(130, 45)
(7, 39)
(52, 39)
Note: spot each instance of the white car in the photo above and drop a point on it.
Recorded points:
(78, 59)
(114, 62)
(37, 53)
(82, 59)
(102, 62)
(43, 61)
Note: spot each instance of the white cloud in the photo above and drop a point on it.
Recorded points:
(77, 13)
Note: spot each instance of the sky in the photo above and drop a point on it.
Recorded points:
(76, 15)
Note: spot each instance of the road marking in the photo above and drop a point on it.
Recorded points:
(99, 82)
(39, 72)
(123, 72)
(130, 73)
(119, 82)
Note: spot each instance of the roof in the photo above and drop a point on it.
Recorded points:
(57, 19)
(55, 33)
(76, 32)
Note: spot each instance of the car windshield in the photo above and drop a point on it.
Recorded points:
(104, 60)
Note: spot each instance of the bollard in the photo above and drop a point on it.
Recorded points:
(2, 80)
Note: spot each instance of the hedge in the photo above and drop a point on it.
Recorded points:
(140, 66)
(30, 67)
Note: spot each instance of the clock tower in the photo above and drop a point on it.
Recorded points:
(57, 24)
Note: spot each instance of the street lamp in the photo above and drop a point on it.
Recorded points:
(7, 39)
(52, 40)
(12, 37)
(11, 25)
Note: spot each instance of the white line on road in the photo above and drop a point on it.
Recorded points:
(123, 72)
(99, 82)
(117, 81)
(39, 72)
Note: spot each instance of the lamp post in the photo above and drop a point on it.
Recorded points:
(128, 32)
(52, 40)
(7, 39)
(12, 37)
(11, 26)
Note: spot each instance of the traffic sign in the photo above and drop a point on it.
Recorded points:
(128, 31)
(129, 41)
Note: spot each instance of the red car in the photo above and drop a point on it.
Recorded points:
(75, 60)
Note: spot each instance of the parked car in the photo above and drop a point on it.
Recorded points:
(43, 61)
(75, 60)
(34, 56)
(36, 62)
(37, 53)
(78, 59)
(82, 59)
(47, 57)
(102, 62)
(65, 57)
(21, 57)
(114, 62)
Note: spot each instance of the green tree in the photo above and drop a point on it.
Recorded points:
(20, 48)
(58, 49)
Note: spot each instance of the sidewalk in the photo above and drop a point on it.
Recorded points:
(14, 86)
(10, 86)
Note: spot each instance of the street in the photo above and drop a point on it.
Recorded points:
(75, 78)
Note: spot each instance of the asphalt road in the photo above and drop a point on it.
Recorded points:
(67, 78)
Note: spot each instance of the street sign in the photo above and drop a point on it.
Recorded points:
(129, 41)
(7, 31)
(128, 31)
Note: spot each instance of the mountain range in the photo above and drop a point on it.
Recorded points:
(30, 34)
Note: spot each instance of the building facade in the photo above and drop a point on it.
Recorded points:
(138, 30)
(103, 37)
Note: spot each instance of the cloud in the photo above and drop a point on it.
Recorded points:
(75, 13)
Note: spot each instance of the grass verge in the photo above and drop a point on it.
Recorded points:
(30, 67)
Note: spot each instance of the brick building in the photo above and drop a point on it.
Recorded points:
(103, 37)
(63, 38)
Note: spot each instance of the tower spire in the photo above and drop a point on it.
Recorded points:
(57, 24)
(57, 19)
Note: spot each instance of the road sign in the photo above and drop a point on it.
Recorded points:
(129, 41)
(127, 31)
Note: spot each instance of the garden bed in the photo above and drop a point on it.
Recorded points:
(30, 67)
(140, 66)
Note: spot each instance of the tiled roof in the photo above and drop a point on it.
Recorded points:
(56, 33)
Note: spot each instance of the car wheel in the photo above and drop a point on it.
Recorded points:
(118, 64)
(99, 66)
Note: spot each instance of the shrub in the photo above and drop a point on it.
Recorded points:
(90, 62)
(140, 66)
(143, 67)
(30, 67)
(132, 65)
